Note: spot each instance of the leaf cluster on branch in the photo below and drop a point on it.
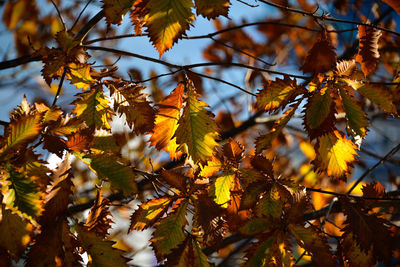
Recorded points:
(275, 189)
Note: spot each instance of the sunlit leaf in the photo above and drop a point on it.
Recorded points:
(335, 154)
(115, 10)
(169, 231)
(197, 131)
(101, 251)
(92, 107)
(148, 213)
(220, 190)
(368, 55)
(276, 94)
(79, 75)
(166, 121)
(167, 20)
(99, 217)
(175, 179)
(379, 95)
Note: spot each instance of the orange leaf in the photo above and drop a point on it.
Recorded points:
(99, 218)
(368, 54)
(175, 179)
(211, 9)
(395, 4)
(166, 121)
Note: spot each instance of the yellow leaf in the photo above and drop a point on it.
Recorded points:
(334, 154)
(220, 190)
(197, 131)
(167, 20)
(148, 213)
(79, 75)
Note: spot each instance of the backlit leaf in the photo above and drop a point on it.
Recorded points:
(167, 20)
(79, 75)
(233, 151)
(211, 9)
(320, 112)
(314, 243)
(175, 179)
(255, 226)
(148, 213)
(166, 121)
(368, 55)
(335, 154)
(379, 95)
(101, 251)
(99, 217)
(357, 122)
(197, 131)
(276, 94)
(220, 190)
(169, 232)
(121, 177)
(212, 166)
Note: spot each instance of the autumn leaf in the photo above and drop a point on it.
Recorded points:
(260, 253)
(321, 57)
(130, 101)
(220, 190)
(314, 243)
(80, 141)
(21, 192)
(320, 112)
(189, 253)
(101, 251)
(197, 131)
(106, 166)
(15, 232)
(169, 231)
(335, 154)
(256, 226)
(92, 107)
(115, 10)
(175, 179)
(148, 213)
(166, 121)
(167, 20)
(268, 206)
(211, 168)
(357, 122)
(211, 9)
(233, 151)
(354, 256)
(265, 141)
(19, 133)
(368, 55)
(99, 218)
(276, 94)
(79, 75)
(379, 95)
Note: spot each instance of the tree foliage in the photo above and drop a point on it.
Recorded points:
(286, 186)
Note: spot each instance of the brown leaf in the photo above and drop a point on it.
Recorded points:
(368, 55)
(233, 151)
(99, 218)
(321, 57)
(175, 179)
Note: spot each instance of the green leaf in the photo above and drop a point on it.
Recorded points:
(21, 192)
(268, 206)
(167, 20)
(255, 226)
(260, 253)
(356, 118)
(92, 107)
(200, 259)
(276, 94)
(101, 252)
(169, 232)
(220, 190)
(20, 132)
(379, 95)
(107, 167)
(197, 131)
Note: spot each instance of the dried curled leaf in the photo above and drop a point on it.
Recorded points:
(197, 131)
(99, 218)
(335, 154)
(276, 94)
(167, 20)
(211, 9)
(321, 57)
(368, 55)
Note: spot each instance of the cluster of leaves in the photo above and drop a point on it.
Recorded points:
(213, 188)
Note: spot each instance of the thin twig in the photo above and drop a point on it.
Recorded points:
(80, 14)
(367, 172)
(60, 16)
(351, 196)
(59, 88)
